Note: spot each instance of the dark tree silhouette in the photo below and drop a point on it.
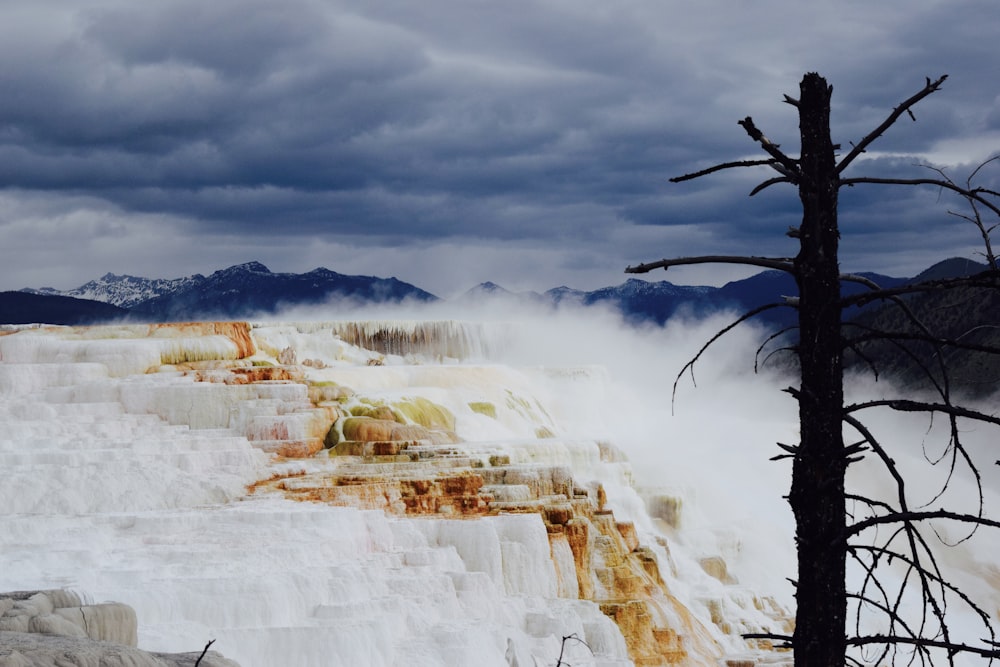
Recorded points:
(837, 528)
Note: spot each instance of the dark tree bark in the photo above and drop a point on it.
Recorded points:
(825, 542)
(817, 494)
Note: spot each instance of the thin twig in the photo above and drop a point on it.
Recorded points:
(203, 652)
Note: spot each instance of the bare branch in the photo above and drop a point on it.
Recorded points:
(757, 363)
(869, 362)
(955, 445)
(791, 166)
(768, 183)
(890, 610)
(977, 169)
(986, 279)
(786, 639)
(933, 575)
(904, 405)
(720, 167)
(862, 145)
(898, 517)
(203, 652)
(977, 220)
(887, 461)
(562, 649)
(921, 642)
(780, 264)
(956, 343)
(939, 385)
(984, 232)
(861, 280)
(974, 194)
(719, 334)
(942, 387)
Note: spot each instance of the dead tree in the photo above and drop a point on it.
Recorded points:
(835, 527)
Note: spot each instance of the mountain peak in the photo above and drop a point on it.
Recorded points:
(322, 272)
(246, 267)
(487, 289)
(954, 267)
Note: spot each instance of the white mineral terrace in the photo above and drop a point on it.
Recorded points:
(192, 473)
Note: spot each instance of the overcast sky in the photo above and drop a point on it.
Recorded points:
(449, 142)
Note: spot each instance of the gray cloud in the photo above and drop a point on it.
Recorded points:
(530, 141)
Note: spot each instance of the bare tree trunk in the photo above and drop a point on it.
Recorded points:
(817, 496)
(817, 493)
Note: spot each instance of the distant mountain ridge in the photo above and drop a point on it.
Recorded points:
(966, 313)
(32, 308)
(238, 292)
(122, 291)
(251, 290)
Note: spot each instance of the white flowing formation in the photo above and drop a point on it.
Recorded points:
(350, 493)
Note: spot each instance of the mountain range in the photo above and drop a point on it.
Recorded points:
(238, 292)
(252, 290)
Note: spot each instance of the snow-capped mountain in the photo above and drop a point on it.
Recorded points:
(640, 300)
(122, 291)
(239, 291)
(251, 289)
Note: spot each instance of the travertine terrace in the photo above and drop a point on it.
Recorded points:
(350, 493)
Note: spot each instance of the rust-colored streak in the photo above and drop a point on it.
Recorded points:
(239, 333)
(578, 535)
(267, 374)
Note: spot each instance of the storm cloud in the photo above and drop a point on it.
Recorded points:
(450, 142)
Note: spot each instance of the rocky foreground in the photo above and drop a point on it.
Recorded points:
(56, 628)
